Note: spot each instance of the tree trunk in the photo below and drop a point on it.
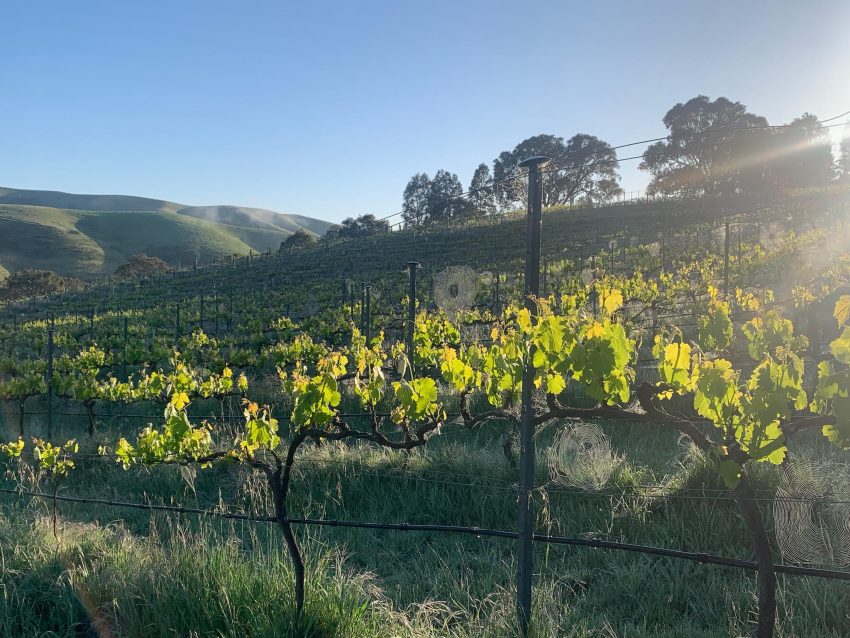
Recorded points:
(280, 480)
(764, 557)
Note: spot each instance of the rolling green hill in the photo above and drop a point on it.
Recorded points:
(90, 235)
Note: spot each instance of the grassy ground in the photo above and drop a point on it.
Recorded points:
(128, 573)
(90, 235)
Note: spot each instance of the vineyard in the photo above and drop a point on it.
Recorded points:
(337, 441)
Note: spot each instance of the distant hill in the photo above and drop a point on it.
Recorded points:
(91, 235)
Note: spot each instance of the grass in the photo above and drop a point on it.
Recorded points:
(167, 235)
(46, 238)
(91, 235)
(95, 243)
(154, 575)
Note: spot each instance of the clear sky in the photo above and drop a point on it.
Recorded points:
(327, 108)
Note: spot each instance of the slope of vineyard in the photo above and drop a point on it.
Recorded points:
(89, 235)
(500, 242)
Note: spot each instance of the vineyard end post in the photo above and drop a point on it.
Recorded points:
(526, 459)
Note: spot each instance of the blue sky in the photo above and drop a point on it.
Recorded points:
(327, 109)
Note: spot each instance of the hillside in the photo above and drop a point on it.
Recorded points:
(647, 234)
(90, 235)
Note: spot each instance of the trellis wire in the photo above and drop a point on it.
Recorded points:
(699, 557)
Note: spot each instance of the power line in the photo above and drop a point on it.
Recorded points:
(615, 160)
(492, 182)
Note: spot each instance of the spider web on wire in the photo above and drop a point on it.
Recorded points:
(811, 513)
(581, 456)
(455, 288)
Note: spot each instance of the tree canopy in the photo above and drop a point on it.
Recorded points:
(141, 265)
(429, 200)
(33, 283)
(803, 154)
(445, 198)
(844, 157)
(713, 148)
(482, 198)
(720, 148)
(362, 226)
(415, 199)
(298, 240)
(583, 170)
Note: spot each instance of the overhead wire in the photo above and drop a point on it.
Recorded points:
(492, 182)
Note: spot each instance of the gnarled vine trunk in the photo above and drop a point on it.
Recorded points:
(745, 496)
(279, 481)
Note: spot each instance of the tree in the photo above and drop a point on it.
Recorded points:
(298, 240)
(590, 171)
(372, 226)
(482, 199)
(844, 157)
(349, 228)
(709, 150)
(415, 199)
(584, 169)
(445, 198)
(141, 265)
(333, 232)
(33, 283)
(803, 154)
(363, 226)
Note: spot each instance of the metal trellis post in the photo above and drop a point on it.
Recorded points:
(368, 314)
(363, 306)
(50, 328)
(726, 261)
(124, 352)
(526, 459)
(411, 309)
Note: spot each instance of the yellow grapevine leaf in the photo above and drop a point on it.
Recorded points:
(180, 400)
(613, 301)
(596, 330)
(842, 310)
